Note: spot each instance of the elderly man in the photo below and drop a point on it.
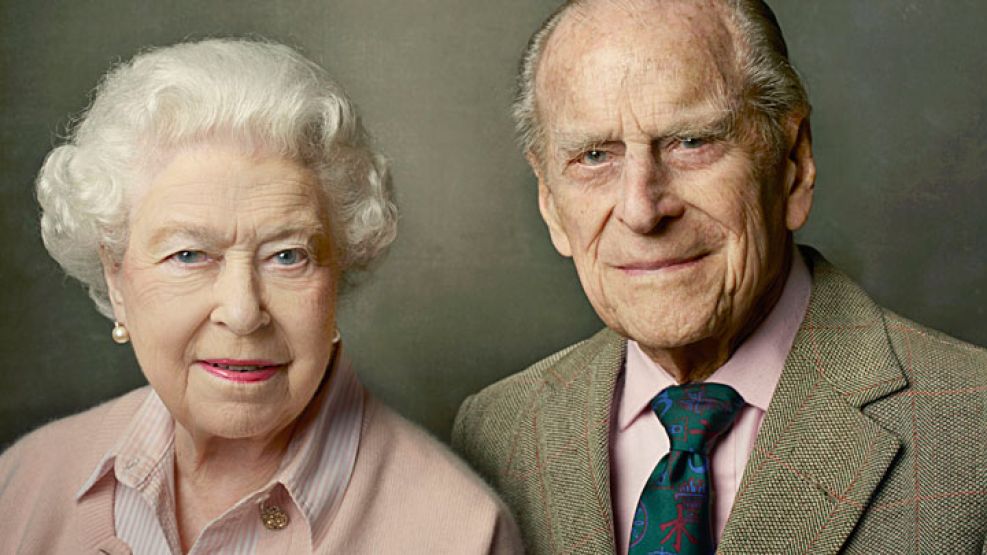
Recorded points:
(745, 396)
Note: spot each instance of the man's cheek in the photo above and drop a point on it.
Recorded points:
(578, 223)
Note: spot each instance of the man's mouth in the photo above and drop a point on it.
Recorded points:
(648, 266)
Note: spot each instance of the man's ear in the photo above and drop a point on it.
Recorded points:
(111, 272)
(800, 172)
(547, 207)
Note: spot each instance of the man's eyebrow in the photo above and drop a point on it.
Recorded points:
(574, 143)
(722, 124)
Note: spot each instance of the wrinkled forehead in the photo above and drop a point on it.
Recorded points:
(207, 157)
(674, 50)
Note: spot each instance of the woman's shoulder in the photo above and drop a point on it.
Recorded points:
(42, 473)
(61, 449)
(106, 417)
(405, 480)
(406, 448)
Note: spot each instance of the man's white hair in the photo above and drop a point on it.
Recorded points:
(260, 94)
(772, 87)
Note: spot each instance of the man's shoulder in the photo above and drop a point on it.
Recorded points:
(937, 418)
(510, 394)
(846, 313)
(496, 425)
(933, 359)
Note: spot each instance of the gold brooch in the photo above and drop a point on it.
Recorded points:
(274, 518)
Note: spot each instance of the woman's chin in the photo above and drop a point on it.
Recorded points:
(215, 406)
(233, 422)
(232, 410)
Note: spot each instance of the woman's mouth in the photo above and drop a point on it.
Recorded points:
(242, 371)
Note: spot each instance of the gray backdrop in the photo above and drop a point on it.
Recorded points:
(472, 290)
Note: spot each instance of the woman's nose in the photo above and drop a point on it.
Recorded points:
(239, 304)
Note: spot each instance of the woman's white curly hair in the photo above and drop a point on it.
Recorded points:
(263, 94)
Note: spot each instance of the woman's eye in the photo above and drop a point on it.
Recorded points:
(594, 157)
(189, 257)
(290, 257)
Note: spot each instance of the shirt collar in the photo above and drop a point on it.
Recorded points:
(754, 368)
(319, 462)
(146, 441)
(316, 467)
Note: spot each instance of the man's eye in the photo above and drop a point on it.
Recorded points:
(189, 257)
(594, 157)
(692, 143)
(290, 257)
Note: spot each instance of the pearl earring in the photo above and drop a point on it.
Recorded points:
(120, 333)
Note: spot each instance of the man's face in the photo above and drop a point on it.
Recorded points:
(650, 178)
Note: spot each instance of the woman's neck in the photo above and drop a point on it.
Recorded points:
(212, 474)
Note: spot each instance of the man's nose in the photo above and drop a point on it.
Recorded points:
(646, 198)
(239, 306)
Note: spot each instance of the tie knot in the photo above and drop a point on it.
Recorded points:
(695, 415)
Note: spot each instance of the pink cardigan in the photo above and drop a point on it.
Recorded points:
(408, 493)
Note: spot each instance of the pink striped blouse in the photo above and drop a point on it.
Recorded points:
(308, 487)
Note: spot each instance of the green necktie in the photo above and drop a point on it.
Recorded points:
(673, 515)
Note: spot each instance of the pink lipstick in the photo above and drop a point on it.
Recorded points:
(241, 371)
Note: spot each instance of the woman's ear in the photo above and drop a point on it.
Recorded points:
(111, 272)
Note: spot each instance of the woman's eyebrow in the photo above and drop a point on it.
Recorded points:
(299, 228)
(206, 236)
(198, 233)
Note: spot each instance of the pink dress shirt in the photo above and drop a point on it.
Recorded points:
(638, 440)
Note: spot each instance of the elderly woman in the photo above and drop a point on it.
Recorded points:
(213, 199)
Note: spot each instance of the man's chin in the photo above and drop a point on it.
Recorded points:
(657, 337)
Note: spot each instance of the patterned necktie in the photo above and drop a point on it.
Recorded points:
(673, 515)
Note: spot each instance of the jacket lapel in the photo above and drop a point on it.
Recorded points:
(818, 458)
(573, 435)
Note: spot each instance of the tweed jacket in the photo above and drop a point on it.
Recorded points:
(875, 441)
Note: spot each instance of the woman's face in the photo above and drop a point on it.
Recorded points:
(228, 288)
